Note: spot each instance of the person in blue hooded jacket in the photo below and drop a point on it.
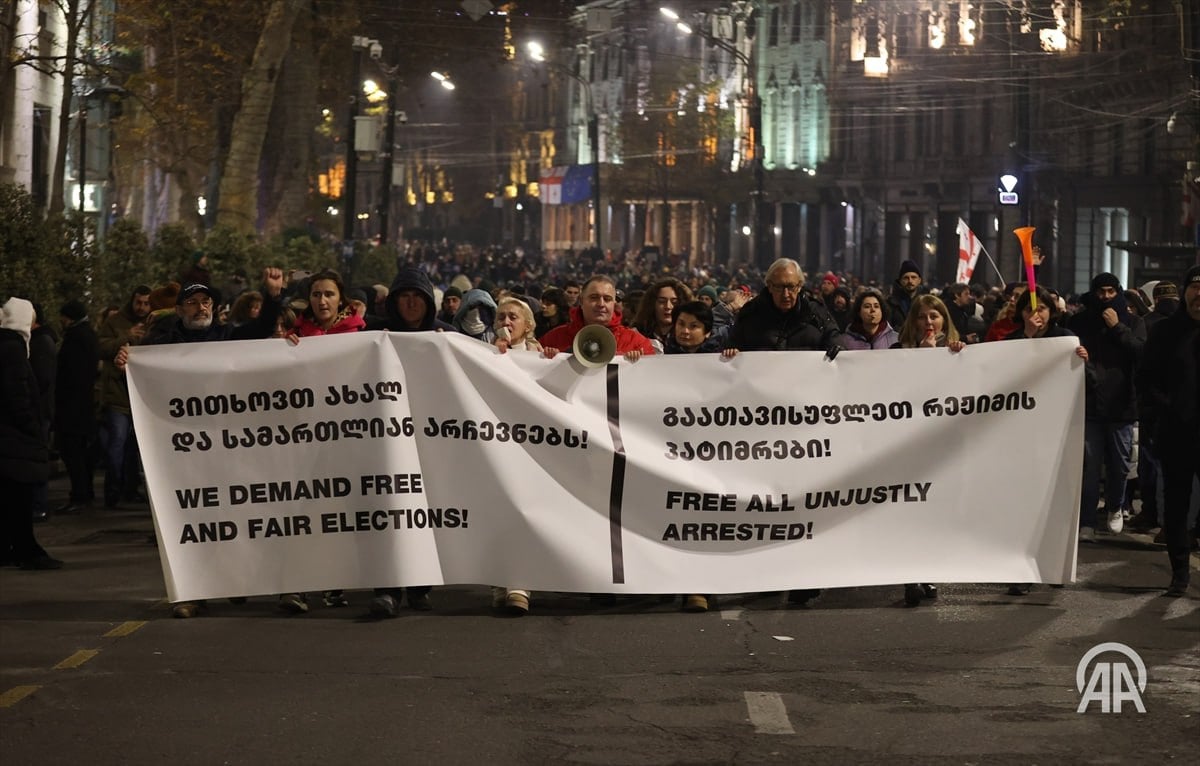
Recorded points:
(410, 308)
(410, 305)
(476, 315)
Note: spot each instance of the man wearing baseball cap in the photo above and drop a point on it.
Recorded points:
(194, 323)
(1169, 398)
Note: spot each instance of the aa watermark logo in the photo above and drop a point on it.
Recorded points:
(1110, 683)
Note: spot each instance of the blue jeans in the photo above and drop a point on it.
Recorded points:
(1107, 447)
(121, 456)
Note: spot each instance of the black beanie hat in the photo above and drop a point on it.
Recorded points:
(452, 292)
(73, 310)
(909, 267)
(1192, 275)
(1106, 279)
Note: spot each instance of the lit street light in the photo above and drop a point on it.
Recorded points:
(538, 53)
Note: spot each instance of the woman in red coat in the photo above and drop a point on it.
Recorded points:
(329, 312)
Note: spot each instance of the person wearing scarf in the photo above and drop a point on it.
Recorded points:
(1114, 338)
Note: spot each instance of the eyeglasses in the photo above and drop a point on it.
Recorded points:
(192, 303)
(784, 288)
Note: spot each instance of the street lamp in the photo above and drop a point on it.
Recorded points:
(538, 54)
(360, 45)
(754, 147)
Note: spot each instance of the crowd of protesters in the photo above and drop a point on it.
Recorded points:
(1140, 348)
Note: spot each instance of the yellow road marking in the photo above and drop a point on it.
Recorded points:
(124, 629)
(77, 659)
(16, 694)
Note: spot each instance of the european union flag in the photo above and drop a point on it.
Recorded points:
(577, 184)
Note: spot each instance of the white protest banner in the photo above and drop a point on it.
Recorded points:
(382, 459)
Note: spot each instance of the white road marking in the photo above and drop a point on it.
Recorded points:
(731, 614)
(768, 713)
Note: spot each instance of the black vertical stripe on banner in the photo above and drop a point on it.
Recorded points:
(617, 488)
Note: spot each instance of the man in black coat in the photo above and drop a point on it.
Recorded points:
(75, 402)
(908, 285)
(1169, 397)
(1114, 338)
(195, 319)
(24, 456)
(780, 318)
(195, 322)
(410, 308)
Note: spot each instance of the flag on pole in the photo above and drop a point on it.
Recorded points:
(1191, 202)
(968, 252)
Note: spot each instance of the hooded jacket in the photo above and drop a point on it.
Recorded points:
(24, 456)
(1113, 354)
(480, 324)
(411, 278)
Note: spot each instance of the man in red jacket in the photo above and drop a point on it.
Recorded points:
(597, 305)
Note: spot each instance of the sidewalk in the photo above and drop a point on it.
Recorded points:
(96, 524)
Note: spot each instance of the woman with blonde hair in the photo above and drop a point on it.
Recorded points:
(515, 329)
(928, 325)
(515, 326)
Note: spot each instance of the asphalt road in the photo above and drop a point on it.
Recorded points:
(93, 670)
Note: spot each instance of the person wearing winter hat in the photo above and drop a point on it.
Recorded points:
(1164, 303)
(1114, 338)
(24, 456)
(451, 300)
(829, 283)
(1168, 386)
(908, 285)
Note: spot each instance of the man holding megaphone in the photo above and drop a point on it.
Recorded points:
(597, 307)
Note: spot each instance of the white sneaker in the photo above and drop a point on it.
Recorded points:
(1116, 522)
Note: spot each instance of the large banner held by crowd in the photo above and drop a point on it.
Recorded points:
(388, 459)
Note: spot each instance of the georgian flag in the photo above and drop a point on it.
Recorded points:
(550, 185)
(968, 252)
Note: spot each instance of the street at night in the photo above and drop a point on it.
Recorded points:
(96, 671)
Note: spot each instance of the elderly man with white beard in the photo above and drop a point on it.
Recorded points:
(194, 323)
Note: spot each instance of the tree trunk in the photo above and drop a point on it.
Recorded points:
(296, 99)
(8, 33)
(238, 206)
(70, 11)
